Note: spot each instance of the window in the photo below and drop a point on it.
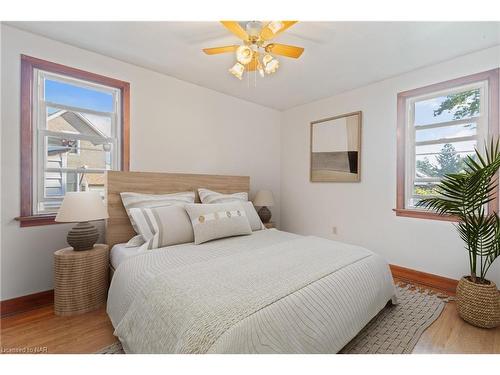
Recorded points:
(74, 128)
(438, 127)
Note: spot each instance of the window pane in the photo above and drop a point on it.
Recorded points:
(67, 153)
(464, 146)
(69, 140)
(64, 121)
(76, 96)
(56, 184)
(448, 132)
(422, 190)
(95, 182)
(438, 160)
(462, 105)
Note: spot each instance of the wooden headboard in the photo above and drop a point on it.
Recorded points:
(118, 228)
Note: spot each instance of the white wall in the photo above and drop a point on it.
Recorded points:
(175, 127)
(362, 212)
(180, 127)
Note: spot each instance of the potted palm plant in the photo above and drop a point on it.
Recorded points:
(465, 195)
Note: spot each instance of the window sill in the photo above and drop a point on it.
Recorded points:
(418, 214)
(36, 220)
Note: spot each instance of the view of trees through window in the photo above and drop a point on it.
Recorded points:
(448, 160)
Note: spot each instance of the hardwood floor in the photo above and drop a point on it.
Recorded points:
(41, 331)
(450, 334)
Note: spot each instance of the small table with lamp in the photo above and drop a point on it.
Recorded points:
(81, 271)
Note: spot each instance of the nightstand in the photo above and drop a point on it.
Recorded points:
(80, 279)
(269, 225)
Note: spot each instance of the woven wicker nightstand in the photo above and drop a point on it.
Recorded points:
(80, 279)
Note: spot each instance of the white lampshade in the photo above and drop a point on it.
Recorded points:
(263, 198)
(81, 206)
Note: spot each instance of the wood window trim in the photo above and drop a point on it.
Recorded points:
(28, 65)
(493, 77)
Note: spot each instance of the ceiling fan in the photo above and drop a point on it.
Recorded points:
(256, 37)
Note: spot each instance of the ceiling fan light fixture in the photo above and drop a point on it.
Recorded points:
(256, 51)
(275, 26)
(267, 57)
(244, 54)
(270, 64)
(237, 70)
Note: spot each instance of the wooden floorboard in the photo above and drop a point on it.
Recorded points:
(451, 335)
(41, 330)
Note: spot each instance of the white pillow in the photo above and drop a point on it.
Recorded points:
(209, 197)
(163, 226)
(252, 216)
(140, 200)
(135, 241)
(212, 221)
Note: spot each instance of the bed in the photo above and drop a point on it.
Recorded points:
(267, 292)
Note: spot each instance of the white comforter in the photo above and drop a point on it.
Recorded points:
(270, 292)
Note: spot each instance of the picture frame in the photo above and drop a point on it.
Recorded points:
(335, 148)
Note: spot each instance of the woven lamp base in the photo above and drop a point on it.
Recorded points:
(478, 304)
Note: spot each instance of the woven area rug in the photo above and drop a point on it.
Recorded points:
(395, 330)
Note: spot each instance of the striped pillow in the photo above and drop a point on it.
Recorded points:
(139, 200)
(163, 226)
(209, 197)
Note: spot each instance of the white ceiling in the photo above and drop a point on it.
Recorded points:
(338, 56)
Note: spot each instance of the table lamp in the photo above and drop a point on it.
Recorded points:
(82, 207)
(264, 199)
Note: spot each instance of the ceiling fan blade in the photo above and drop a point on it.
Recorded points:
(217, 50)
(284, 50)
(236, 29)
(274, 28)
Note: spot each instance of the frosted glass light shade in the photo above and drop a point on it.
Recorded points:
(264, 198)
(270, 64)
(81, 206)
(237, 70)
(244, 54)
(267, 57)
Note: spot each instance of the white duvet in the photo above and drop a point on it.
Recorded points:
(269, 292)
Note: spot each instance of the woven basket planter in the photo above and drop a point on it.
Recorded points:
(478, 304)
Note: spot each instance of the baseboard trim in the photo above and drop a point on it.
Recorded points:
(423, 278)
(25, 303)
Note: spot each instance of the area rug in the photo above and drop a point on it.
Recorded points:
(395, 330)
